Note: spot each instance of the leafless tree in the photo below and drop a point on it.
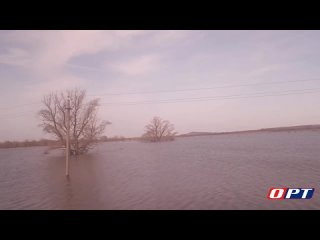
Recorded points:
(159, 130)
(85, 129)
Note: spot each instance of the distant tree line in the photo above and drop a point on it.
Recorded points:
(117, 138)
(28, 143)
(157, 130)
(50, 143)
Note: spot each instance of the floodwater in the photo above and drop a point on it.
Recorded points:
(208, 172)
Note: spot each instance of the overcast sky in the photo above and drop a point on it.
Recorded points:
(164, 73)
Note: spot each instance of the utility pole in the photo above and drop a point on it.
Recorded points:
(68, 137)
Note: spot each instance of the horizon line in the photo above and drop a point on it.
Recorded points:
(291, 127)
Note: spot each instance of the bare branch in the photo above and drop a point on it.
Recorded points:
(85, 127)
(159, 130)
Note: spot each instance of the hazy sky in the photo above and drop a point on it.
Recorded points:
(153, 68)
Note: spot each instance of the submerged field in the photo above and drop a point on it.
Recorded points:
(233, 171)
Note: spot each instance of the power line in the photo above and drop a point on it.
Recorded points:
(8, 116)
(306, 91)
(183, 100)
(21, 105)
(181, 90)
(199, 99)
(201, 89)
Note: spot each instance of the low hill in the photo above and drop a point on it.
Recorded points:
(276, 129)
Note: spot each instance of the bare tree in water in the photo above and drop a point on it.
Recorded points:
(159, 130)
(85, 128)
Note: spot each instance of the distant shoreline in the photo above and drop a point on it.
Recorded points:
(54, 143)
(276, 129)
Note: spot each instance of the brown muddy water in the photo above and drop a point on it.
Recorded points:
(208, 172)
